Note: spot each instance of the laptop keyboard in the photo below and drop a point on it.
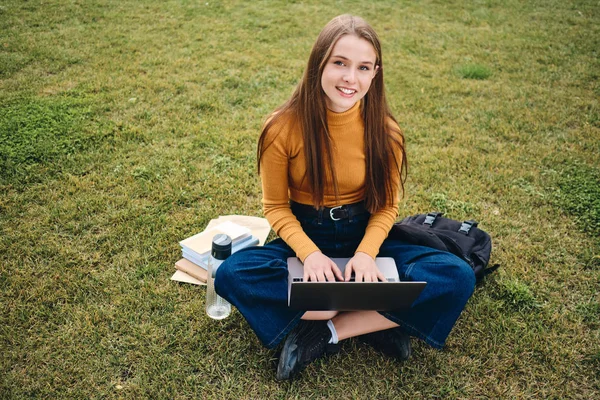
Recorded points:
(351, 280)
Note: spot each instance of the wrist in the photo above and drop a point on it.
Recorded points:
(311, 254)
(362, 253)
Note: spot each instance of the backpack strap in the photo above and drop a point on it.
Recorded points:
(430, 218)
(488, 271)
(466, 226)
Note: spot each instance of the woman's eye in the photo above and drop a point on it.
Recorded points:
(338, 63)
(364, 68)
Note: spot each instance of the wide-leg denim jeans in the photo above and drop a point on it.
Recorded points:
(255, 281)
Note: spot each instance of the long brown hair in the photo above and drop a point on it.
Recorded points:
(308, 105)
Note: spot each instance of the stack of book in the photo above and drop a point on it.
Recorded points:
(196, 249)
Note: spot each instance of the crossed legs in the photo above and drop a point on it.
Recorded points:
(352, 323)
(255, 280)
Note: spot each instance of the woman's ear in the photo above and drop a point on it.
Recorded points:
(376, 70)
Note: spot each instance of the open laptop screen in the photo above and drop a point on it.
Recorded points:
(346, 296)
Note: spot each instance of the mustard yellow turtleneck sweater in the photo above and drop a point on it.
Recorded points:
(283, 171)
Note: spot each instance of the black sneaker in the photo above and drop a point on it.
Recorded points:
(305, 344)
(393, 342)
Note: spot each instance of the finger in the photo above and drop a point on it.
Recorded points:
(358, 277)
(337, 272)
(320, 276)
(330, 277)
(312, 277)
(348, 272)
(381, 276)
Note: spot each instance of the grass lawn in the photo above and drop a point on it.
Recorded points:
(126, 126)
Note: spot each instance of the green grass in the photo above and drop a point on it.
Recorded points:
(127, 126)
(578, 193)
(474, 71)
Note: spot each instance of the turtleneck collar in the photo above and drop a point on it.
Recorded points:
(345, 117)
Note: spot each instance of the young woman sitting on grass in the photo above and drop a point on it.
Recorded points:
(335, 143)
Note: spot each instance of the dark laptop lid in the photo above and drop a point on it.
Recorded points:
(347, 296)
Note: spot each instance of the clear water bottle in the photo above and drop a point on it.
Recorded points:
(216, 306)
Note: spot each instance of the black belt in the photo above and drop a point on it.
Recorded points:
(347, 211)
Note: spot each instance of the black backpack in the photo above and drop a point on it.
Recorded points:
(463, 239)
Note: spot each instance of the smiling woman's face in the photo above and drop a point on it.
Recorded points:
(348, 73)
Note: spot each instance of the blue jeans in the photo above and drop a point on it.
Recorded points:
(255, 281)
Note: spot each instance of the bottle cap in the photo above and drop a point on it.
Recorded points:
(221, 246)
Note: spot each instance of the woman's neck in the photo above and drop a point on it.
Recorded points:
(345, 117)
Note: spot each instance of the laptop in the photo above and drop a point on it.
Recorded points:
(392, 294)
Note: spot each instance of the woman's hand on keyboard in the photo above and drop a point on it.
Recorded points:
(364, 268)
(319, 268)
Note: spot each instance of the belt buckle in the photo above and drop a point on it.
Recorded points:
(331, 213)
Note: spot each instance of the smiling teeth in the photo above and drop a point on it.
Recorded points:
(347, 91)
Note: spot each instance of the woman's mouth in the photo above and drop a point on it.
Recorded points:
(345, 91)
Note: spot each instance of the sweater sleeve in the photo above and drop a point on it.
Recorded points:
(381, 221)
(274, 173)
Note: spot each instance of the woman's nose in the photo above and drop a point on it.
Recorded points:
(349, 76)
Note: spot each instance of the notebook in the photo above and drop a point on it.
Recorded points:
(347, 296)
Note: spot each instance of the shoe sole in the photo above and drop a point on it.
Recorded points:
(288, 365)
(288, 357)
